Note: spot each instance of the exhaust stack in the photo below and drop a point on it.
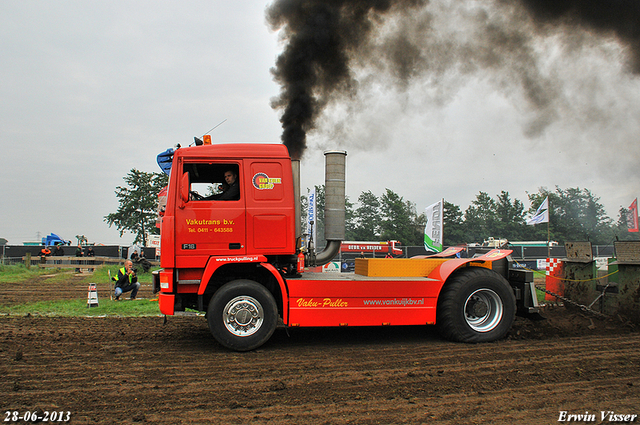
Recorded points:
(295, 168)
(334, 206)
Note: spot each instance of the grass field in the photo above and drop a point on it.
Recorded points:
(16, 274)
(78, 308)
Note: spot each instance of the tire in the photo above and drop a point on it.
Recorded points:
(242, 315)
(475, 305)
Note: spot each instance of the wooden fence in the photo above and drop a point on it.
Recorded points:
(69, 262)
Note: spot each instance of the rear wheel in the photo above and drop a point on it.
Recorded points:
(476, 305)
(242, 315)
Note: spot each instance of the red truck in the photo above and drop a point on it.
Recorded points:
(240, 260)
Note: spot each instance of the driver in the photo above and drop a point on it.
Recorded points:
(230, 190)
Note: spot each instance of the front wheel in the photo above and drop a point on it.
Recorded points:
(242, 315)
(476, 305)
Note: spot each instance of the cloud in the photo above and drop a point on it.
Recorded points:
(91, 90)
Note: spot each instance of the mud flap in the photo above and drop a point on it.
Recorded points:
(155, 278)
(167, 304)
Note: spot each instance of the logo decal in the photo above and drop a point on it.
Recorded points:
(261, 181)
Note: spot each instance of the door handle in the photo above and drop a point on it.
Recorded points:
(235, 245)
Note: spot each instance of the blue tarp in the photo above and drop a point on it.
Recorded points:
(164, 160)
(54, 239)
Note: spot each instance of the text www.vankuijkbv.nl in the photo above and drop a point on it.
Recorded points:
(395, 301)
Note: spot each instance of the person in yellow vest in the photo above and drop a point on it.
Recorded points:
(127, 281)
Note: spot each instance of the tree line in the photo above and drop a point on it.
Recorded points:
(575, 215)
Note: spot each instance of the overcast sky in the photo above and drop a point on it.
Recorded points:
(90, 90)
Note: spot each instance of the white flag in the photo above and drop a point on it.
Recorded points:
(542, 213)
(433, 229)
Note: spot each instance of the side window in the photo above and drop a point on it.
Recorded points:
(210, 182)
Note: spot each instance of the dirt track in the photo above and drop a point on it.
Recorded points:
(140, 370)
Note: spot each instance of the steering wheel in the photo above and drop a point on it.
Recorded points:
(196, 196)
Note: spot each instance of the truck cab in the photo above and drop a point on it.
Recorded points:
(201, 229)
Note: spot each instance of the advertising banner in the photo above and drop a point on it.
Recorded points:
(434, 227)
(632, 217)
(312, 218)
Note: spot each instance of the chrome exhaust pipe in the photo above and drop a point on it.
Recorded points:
(334, 205)
(295, 167)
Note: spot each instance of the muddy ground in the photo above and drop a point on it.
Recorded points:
(142, 370)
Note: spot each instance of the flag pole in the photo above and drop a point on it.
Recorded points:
(548, 230)
(548, 240)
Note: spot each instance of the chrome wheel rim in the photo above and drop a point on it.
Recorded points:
(243, 316)
(483, 310)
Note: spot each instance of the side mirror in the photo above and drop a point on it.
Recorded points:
(184, 188)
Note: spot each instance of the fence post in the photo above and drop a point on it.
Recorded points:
(27, 260)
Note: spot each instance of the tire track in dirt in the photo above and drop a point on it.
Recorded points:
(137, 369)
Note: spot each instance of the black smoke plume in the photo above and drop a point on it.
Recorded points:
(325, 40)
(320, 36)
(616, 17)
